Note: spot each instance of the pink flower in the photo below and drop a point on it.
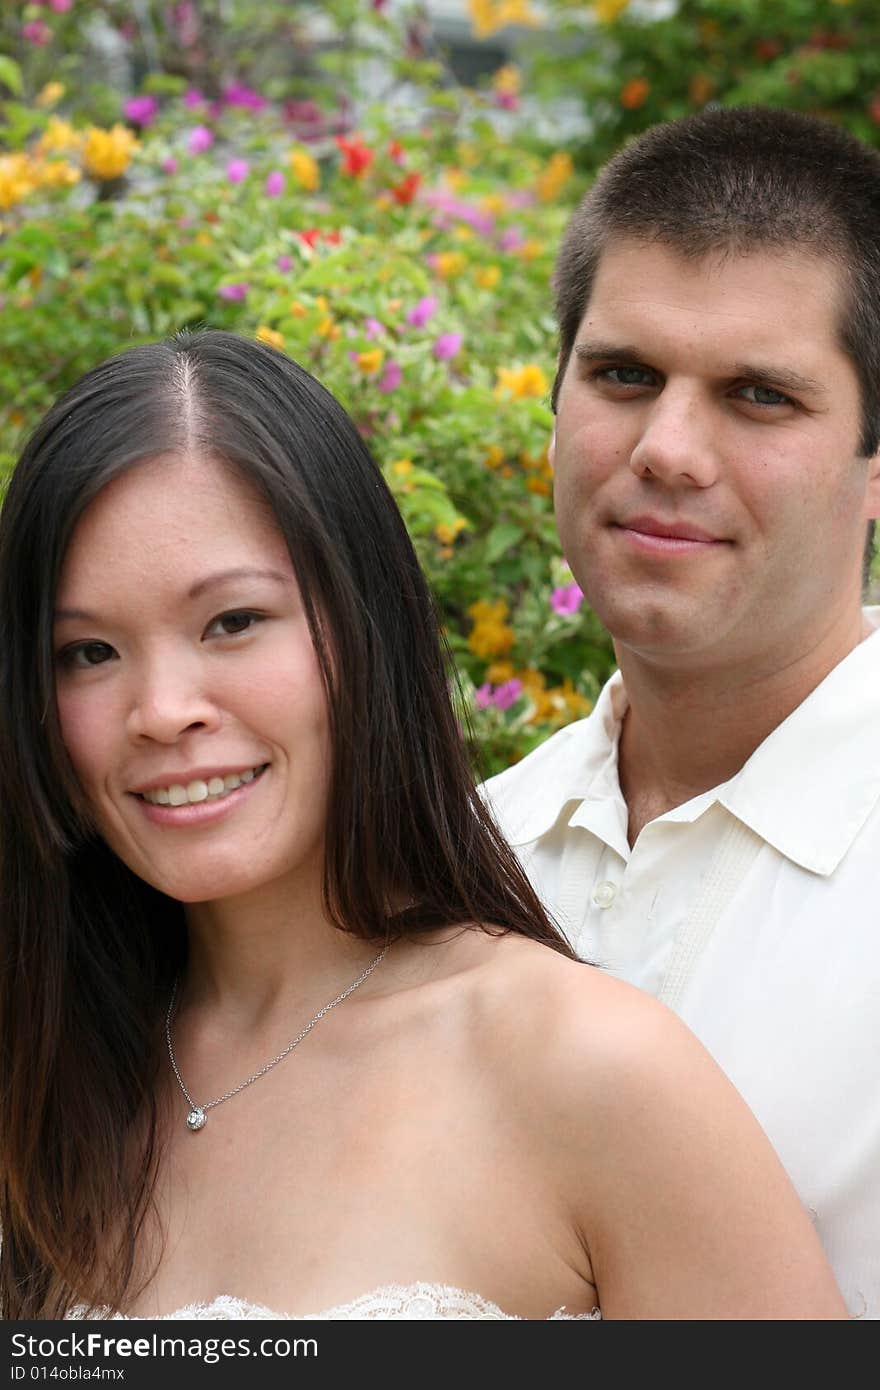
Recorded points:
(284, 262)
(233, 292)
(169, 165)
(141, 110)
(447, 346)
(37, 31)
(507, 694)
(200, 139)
(483, 696)
(192, 98)
(566, 600)
(274, 184)
(391, 377)
(420, 314)
(61, 6)
(373, 329)
(511, 239)
(237, 170)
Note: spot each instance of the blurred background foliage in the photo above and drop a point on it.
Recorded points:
(377, 189)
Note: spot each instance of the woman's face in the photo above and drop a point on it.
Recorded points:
(189, 694)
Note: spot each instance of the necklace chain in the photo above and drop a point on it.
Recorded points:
(198, 1114)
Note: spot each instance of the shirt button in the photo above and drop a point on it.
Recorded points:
(605, 893)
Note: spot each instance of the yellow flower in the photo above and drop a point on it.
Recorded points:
(491, 635)
(270, 336)
(447, 531)
(58, 173)
(58, 137)
(305, 170)
(370, 362)
(51, 94)
(494, 456)
(297, 309)
(401, 467)
(488, 16)
(487, 276)
(553, 176)
(539, 486)
(16, 179)
(606, 11)
(107, 153)
(464, 233)
(529, 250)
(493, 203)
(520, 382)
(450, 263)
(455, 179)
(507, 79)
(500, 671)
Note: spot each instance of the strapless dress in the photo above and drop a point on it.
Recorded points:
(410, 1301)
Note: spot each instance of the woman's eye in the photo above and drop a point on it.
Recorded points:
(764, 395)
(230, 624)
(86, 654)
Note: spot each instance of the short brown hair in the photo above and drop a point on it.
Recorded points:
(735, 180)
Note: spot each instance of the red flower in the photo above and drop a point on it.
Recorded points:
(310, 236)
(395, 150)
(406, 190)
(358, 156)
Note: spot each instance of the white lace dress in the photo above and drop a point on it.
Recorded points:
(411, 1301)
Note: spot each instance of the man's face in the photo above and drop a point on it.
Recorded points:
(708, 492)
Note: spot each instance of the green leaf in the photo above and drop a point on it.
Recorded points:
(500, 539)
(10, 74)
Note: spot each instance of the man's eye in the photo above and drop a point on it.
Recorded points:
(85, 654)
(230, 624)
(764, 395)
(626, 376)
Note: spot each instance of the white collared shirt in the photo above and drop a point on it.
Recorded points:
(754, 911)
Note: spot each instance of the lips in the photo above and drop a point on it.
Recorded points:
(668, 530)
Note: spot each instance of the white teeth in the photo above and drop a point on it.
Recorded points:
(197, 790)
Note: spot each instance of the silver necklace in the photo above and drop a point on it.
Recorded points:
(198, 1114)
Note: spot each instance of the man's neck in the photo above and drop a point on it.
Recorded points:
(686, 731)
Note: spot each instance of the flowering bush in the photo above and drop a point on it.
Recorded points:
(399, 248)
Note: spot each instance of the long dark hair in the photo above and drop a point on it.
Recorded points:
(88, 951)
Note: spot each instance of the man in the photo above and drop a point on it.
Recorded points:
(712, 831)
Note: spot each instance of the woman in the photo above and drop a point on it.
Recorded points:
(286, 1031)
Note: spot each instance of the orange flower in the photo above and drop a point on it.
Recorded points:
(634, 93)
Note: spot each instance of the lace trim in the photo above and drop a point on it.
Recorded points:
(412, 1301)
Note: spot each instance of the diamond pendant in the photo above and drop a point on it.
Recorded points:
(196, 1119)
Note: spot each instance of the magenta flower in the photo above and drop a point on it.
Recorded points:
(237, 170)
(483, 696)
(447, 346)
(200, 139)
(507, 694)
(237, 94)
(566, 600)
(422, 312)
(274, 184)
(391, 377)
(36, 31)
(61, 6)
(235, 292)
(284, 263)
(169, 165)
(373, 329)
(141, 110)
(192, 98)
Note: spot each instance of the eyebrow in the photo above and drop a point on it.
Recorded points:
(763, 375)
(211, 581)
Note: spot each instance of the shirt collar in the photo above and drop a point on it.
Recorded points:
(806, 790)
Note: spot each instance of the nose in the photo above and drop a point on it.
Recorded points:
(677, 446)
(169, 699)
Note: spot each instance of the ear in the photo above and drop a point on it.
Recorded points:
(872, 488)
